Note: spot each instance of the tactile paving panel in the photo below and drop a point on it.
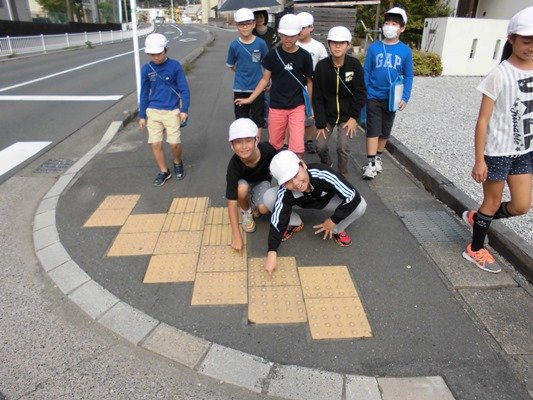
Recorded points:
(220, 288)
(320, 282)
(137, 223)
(133, 244)
(276, 305)
(188, 205)
(171, 268)
(107, 218)
(339, 318)
(217, 235)
(433, 226)
(120, 201)
(221, 258)
(285, 273)
(184, 222)
(217, 216)
(178, 242)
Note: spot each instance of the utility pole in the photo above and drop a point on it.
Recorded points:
(376, 24)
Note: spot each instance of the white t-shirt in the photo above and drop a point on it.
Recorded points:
(316, 49)
(511, 125)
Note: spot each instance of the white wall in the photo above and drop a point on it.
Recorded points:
(500, 9)
(452, 39)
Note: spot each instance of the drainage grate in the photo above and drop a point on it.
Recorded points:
(433, 226)
(55, 165)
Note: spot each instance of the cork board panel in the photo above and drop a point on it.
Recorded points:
(276, 305)
(338, 318)
(217, 216)
(184, 222)
(328, 282)
(285, 274)
(218, 235)
(178, 242)
(188, 205)
(165, 268)
(119, 201)
(133, 244)
(220, 288)
(138, 223)
(221, 258)
(106, 218)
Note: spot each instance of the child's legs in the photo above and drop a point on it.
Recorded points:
(358, 212)
(258, 194)
(520, 189)
(257, 110)
(373, 126)
(297, 129)
(343, 149)
(492, 197)
(322, 146)
(155, 137)
(309, 129)
(241, 111)
(277, 123)
(269, 200)
(243, 194)
(171, 121)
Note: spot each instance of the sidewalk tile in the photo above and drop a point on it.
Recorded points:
(362, 388)
(217, 216)
(220, 288)
(93, 299)
(184, 222)
(178, 243)
(107, 218)
(276, 305)
(217, 235)
(164, 268)
(127, 201)
(321, 282)
(188, 205)
(418, 388)
(69, 276)
(140, 223)
(285, 274)
(133, 244)
(221, 258)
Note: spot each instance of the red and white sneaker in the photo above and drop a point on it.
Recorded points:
(290, 231)
(342, 239)
(468, 217)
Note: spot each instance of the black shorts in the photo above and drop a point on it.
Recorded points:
(254, 111)
(379, 119)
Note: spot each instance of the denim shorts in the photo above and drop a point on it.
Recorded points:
(500, 167)
(379, 119)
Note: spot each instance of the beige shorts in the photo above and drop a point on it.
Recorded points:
(160, 120)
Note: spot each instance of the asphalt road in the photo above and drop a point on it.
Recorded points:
(106, 70)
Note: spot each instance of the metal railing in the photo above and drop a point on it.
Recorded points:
(18, 45)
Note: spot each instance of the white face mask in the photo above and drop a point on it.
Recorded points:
(390, 32)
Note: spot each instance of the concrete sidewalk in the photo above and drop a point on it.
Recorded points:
(436, 320)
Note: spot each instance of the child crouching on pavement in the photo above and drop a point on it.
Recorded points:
(314, 186)
(247, 178)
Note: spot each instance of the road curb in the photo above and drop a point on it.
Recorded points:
(505, 241)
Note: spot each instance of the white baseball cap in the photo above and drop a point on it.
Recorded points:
(243, 14)
(242, 128)
(521, 23)
(306, 19)
(284, 166)
(290, 25)
(399, 11)
(340, 34)
(155, 43)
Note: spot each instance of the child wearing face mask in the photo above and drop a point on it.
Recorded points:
(385, 61)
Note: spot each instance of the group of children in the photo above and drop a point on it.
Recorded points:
(309, 93)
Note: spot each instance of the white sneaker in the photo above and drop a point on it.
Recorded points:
(370, 171)
(248, 223)
(379, 165)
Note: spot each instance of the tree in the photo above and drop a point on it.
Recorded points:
(53, 5)
(106, 10)
(417, 11)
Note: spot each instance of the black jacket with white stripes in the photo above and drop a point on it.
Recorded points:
(325, 183)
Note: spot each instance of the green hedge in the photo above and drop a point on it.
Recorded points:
(426, 64)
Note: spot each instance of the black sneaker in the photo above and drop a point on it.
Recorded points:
(178, 171)
(310, 147)
(161, 178)
(290, 231)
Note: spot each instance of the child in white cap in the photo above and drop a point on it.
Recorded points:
(314, 186)
(164, 105)
(504, 139)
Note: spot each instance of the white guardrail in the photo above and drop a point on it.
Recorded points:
(18, 45)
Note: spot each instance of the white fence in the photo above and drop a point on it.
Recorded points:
(13, 46)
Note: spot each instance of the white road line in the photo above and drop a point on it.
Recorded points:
(63, 72)
(59, 98)
(17, 153)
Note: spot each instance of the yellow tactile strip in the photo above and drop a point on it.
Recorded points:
(178, 242)
(138, 223)
(333, 306)
(217, 216)
(184, 222)
(119, 201)
(220, 259)
(217, 235)
(112, 211)
(276, 305)
(133, 244)
(188, 205)
(220, 288)
(165, 268)
(286, 273)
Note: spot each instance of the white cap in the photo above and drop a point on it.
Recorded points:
(522, 23)
(340, 34)
(243, 14)
(289, 25)
(155, 43)
(399, 11)
(306, 19)
(284, 166)
(242, 128)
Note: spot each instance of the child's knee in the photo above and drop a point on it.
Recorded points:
(520, 209)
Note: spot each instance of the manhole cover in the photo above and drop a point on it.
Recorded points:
(56, 165)
(433, 226)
